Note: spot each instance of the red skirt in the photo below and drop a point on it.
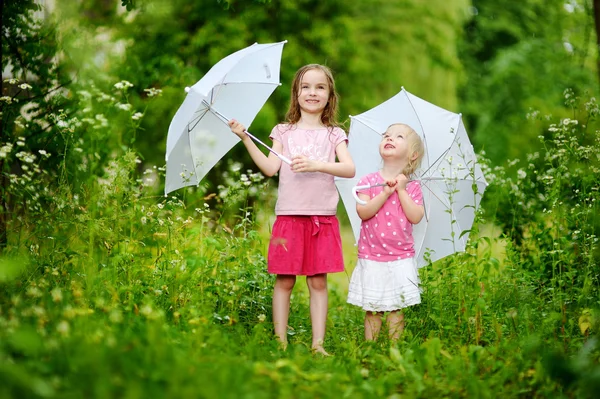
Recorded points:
(305, 245)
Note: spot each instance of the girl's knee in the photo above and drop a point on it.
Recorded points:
(317, 282)
(285, 282)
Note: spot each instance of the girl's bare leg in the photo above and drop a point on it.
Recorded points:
(317, 286)
(372, 325)
(282, 291)
(395, 324)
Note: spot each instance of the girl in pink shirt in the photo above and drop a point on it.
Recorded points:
(385, 278)
(306, 237)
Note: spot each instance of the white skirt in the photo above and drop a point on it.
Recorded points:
(384, 286)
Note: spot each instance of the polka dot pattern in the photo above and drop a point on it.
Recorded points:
(389, 231)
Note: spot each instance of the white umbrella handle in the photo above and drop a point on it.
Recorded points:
(355, 195)
(226, 120)
(356, 188)
(280, 156)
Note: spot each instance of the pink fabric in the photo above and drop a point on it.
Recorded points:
(305, 245)
(387, 236)
(307, 193)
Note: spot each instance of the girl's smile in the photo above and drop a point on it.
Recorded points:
(314, 91)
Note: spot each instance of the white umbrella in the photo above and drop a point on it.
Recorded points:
(451, 179)
(236, 87)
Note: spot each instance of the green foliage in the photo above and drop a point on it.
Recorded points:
(550, 210)
(108, 289)
(517, 56)
(171, 45)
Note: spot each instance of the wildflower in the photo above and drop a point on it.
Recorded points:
(56, 294)
(124, 107)
(123, 85)
(24, 86)
(152, 92)
(137, 116)
(261, 318)
(5, 150)
(63, 328)
(34, 292)
(6, 99)
(12, 81)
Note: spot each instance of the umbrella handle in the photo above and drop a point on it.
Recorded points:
(355, 195)
(280, 156)
(364, 187)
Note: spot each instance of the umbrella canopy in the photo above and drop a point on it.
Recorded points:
(236, 87)
(451, 179)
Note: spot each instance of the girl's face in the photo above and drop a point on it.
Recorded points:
(395, 143)
(313, 93)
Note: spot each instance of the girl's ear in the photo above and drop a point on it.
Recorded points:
(414, 156)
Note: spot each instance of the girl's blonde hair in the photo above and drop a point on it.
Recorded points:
(330, 113)
(415, 146)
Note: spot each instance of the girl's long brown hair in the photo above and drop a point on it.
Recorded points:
(330, 113)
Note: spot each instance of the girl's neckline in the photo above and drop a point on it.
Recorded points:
(311, 128)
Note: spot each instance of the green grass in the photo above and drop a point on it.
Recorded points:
(110, 290)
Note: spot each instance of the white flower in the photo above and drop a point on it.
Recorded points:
(123, 85)
(137, 116)
(63, 328)
(152, 92)
(24, 86)
(124, 107)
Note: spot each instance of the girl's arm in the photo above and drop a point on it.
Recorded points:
(343, 168)
(413, 211)
(268, 165)
(373, 205)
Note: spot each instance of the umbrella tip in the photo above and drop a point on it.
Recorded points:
(187, 89)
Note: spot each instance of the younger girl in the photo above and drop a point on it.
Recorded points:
(306, 238)
(385, 278)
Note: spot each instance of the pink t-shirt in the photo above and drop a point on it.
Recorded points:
(387, 236)
(307, 193)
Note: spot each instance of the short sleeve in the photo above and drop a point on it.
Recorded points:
(364, 181)
(414, 192)
(340, 136)
(276, 134)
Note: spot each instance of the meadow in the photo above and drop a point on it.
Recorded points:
(110, 289)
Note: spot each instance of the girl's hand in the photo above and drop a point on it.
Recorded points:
(302, 164)
(237, 128)
(401, 181)
(390, 187)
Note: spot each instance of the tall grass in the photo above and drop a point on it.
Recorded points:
(109, 289)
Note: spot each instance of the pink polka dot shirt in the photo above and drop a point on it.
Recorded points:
(387, 236)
